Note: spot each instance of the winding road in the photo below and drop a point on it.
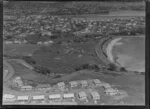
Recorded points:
(11, 70)
(100, 53)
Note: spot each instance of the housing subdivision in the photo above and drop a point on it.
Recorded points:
(79, 92)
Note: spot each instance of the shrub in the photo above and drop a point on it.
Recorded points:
(122, 69)
(42, 70)
(28, 60)
(112, 67)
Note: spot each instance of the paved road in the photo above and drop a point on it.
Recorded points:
(10, 70)
(99, 51)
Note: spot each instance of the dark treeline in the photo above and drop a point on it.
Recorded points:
(124, 0)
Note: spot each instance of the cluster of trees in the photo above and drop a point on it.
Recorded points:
(42, 70)
(88, 66)
(29, 60)
(113, 67)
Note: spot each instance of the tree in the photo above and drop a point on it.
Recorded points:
(122, 69)
(112, 67)
(29, 60)
(42, 70)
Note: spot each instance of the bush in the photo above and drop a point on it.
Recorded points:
(88, 66)
(112, 67)
(122, 69)
(42, 70)
(28, 60)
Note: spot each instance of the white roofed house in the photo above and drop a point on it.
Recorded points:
(26, 88)
(97, 82)
(39, 43)
(95, 95)
(23, 99)
(111, 91)
(8, 42)
(82, 96)
(68, 96)
(105, 85)
(73, 84)
(9, 98)
(18, 81)
(38, 99)
(55, 97)
(61, 85)
(84, 83)
(43, 87)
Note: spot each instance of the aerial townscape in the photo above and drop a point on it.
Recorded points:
(74, 53)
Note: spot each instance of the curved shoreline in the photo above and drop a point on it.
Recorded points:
(109, 48)
(11, 70)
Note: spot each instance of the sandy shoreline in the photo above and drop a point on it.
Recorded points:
(110, 47)
(123, 59)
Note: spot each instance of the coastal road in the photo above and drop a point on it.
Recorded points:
(11, 70)
(100, 53)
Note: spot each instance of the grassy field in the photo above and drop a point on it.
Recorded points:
(64, 59)
(19, 50)
(133, 85)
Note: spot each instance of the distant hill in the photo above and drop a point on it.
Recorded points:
(80, 7)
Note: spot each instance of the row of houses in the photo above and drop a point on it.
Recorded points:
(72, 84)
(45, 43)
(70, 97)
(61, 85)
(15, 42)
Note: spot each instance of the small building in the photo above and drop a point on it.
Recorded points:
(73, 84)
(68, 96)
(8, 42)
(55, 97)
(39, 43)
(82, 95)
(18, 81)
(96, 81)
(17, 42)
(105, 85)
(5, 71)
(95, 95)
(61, 85)
(9, 97)
(46, 43)
(84, 83)
(25, 88)
(23, 98)
(43, 87)
(50, 41)
(111, 91)
(38, 97)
